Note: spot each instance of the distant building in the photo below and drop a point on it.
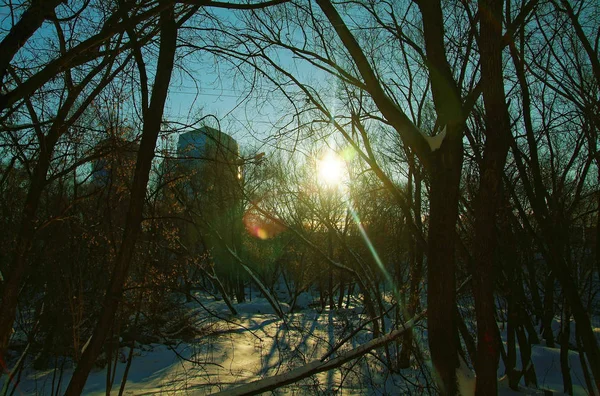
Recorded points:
(208, 172)
(207, 144)
(208, 161)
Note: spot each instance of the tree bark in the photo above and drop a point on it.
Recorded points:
(497, 143)
(445, 171)
(441, 266)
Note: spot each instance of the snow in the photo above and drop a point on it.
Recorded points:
(256, 344)
(466, 379)
(435, 142)
(304, 300)
(547, 367)
(546, 362)
(260, 306)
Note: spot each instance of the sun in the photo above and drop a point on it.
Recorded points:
(331, 170)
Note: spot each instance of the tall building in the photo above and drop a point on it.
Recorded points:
(208, 168)
(207, 144)
(208, 162)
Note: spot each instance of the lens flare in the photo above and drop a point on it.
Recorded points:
(260, 227)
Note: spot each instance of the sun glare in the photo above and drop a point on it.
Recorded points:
(331, 170)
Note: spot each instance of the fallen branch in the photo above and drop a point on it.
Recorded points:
(317, 366)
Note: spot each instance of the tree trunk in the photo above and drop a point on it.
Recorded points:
(416, 265)
(565, 334)
(31, 20)
(584, 365)
(524, 323)
(444, 171)
(217, 282)
(152, 122)
(441, 268)
(341, 295)
(466, 336)
(444, 166)
(535, 294)
(548, 310)
(487, 203)
(596, 248)
(330, 277)
(511, 348)
(526, 362)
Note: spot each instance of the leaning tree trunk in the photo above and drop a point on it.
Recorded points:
(31, 20)
(152, 122)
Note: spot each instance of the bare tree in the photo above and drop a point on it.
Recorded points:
(71, 108)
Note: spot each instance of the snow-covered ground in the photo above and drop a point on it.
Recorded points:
(257, 344)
